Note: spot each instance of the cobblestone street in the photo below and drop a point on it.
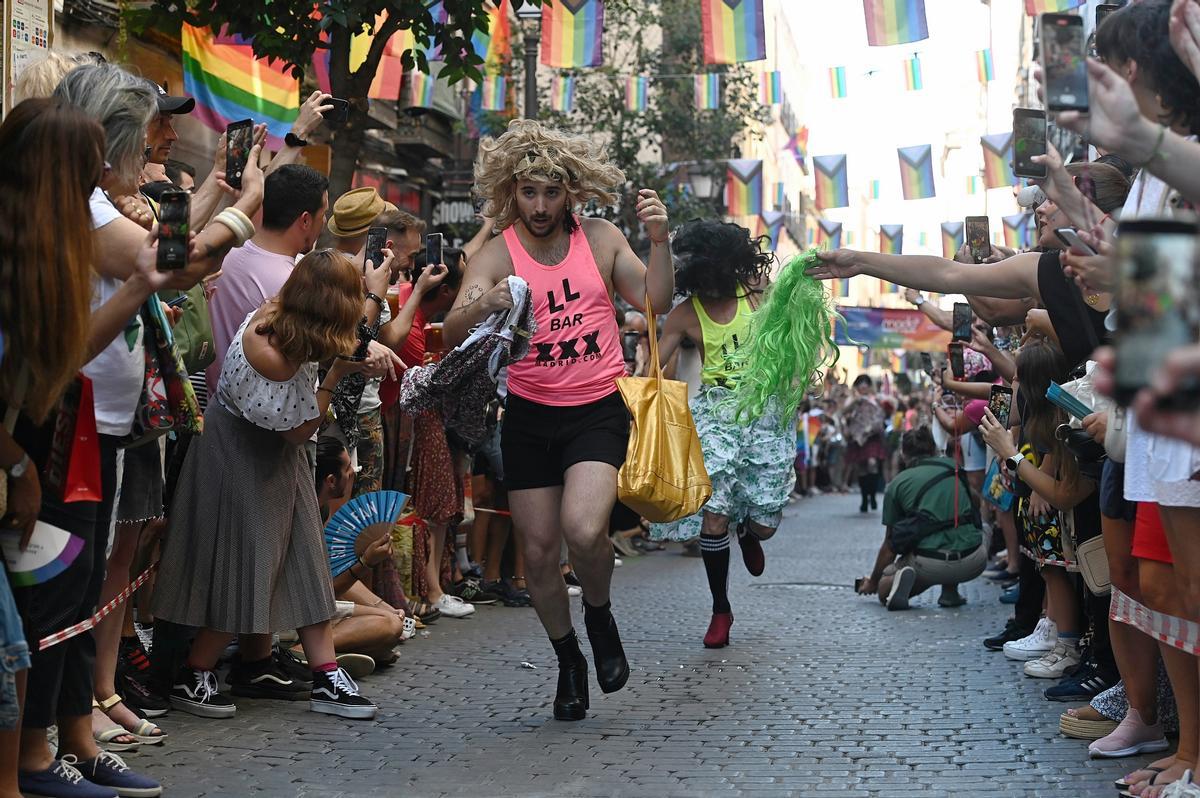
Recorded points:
(821, 692)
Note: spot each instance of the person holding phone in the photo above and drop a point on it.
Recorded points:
(723, 273)
(562, 400)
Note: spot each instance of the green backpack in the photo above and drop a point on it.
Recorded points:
(193, 333)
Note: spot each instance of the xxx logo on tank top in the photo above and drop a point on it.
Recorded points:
(580, 346)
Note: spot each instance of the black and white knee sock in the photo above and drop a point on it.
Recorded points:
(715, 551)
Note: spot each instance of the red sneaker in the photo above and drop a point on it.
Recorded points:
(717, 635)
(752, 553)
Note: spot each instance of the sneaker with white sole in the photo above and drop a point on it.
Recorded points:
(1036, 644)
(453, 606)
(196, 692)
(335, 693)
(1054, 664)
(902, 585)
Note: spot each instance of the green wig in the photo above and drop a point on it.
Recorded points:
(791, 343)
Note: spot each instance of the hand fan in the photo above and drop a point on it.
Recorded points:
(359, 522)
(1067, 401)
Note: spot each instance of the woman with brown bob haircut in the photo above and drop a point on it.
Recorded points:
(245, 553)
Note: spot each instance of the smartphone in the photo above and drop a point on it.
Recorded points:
(174, 213)
(376, 241)
(178, 301)
(1063, 62)
(957, 368)
(1103, 10)
(1071, 240)
(961, 323)
(1029, 139)
(339, 114)
(927, 363)
(1158, 304)
(239, 138)
(979, 233)
(858, 583)
(433, 249)
(1000, 403)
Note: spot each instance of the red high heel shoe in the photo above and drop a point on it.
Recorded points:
(717, 635)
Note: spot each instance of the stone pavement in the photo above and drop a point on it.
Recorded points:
(821, 693)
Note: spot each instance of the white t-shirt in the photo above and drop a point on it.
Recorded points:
(370, 396)
(117, 373)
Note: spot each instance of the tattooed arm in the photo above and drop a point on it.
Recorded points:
(484, 291)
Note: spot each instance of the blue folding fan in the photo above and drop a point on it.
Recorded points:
(359, 522)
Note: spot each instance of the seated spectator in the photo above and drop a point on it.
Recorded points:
(948, 554)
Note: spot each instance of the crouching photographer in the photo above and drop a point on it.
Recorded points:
(933, 535)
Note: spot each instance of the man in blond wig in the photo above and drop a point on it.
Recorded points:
(565, 427)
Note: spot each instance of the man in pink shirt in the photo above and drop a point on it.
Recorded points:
(565, 428)
(293, 214)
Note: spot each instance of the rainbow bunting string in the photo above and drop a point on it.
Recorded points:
(895, 21)
(1035, 7)
(420, 89)
(833, 188)
(494, 45)
(849, 238)
(952, 238)
(744, 188)
(829, 234)
(733, 31)
(916, 171)
(780, 195)
(770, 224)
(983, 66)
(837, 82)
(636, 93)
(770, 89)
(572, 33)
(798, 146)
(973, 184)
(708, 91)
(1017, 230)
(493, 89)
(875, 189)
(562, 94)
(997, 160)
(912, 74)
(923, 239)
(891, 238)
(230, 84)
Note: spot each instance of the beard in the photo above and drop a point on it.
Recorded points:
(543, 226)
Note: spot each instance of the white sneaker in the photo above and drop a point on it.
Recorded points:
(1052, 666)
(574, 591)
(617, 562)
(453, 606)
(1040, 641)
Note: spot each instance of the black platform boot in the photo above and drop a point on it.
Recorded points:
(612, 669)
(571, 700)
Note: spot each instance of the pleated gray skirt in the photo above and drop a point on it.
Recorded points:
(245, 548)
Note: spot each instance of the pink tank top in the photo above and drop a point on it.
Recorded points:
(575, 357)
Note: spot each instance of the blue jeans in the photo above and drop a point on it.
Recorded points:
(14, 655)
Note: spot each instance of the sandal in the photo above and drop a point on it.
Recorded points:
(111, 738)
(423, 611)
(1123, 784)
(146, 732)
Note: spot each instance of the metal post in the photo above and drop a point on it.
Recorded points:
(531, 61)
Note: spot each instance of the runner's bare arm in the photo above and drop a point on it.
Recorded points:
(635, 281)
(674, 331)
(484, 290)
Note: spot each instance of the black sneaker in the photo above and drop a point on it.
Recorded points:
(1085, 684)
(572, 579)
(335, 693)
(292, 665)
(471, 591)
(195, 692)
(265, 679)
(138, 696)
(1012, 631)
(509, 595)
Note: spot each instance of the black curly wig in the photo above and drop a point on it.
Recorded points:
(1139, 31)
(715, 260)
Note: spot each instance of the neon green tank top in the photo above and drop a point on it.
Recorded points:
(721, 341)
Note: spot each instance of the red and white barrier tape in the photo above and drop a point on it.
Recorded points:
(505, 513)
(1175, 632)
(83, 626)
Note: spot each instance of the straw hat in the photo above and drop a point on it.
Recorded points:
(355, 210)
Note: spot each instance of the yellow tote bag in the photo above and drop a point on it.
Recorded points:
(663, 478)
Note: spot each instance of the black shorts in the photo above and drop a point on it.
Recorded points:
(540, 442)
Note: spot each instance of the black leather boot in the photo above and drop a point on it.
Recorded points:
(612, 669)
(571, 700)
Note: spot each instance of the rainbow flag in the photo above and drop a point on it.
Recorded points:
(916, 171)
(895, 21)
(837, 82)
(494, 90)
(572, 32)
(983, 66)
(973, 184)
(1017, 230)
(562, 94)
(636, 93)
(770, 224)
(912, 74)
(494, 45)
(833, 188)
(997, 160)
(923, 239)
(874, 189)
(420, 89)
(952, 238)
(230, 84)
(780, 195)
(891, 238)
(733, 31)
(744, 187)
(770, 88)
(708, 91)
(849, 238)
(798, 146)
(829, 234)
(1035, 7)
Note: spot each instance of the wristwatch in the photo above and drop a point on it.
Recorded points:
(18, 469)
(292, 140)
(1014, 461)
(919, 301)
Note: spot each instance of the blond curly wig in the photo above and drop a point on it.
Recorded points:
(530, 151)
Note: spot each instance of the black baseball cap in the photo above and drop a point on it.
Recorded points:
(172, 105)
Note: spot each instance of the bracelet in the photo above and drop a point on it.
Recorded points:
(1157, 152)
(242, 217)
(378, 299)
(238, 223)
(323, 388)
(660, 240)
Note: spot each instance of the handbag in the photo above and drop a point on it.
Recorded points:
(663, 477)
(72, 472)
(168, 400)
(1090, 558)
(996, 491)
(193, 332)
